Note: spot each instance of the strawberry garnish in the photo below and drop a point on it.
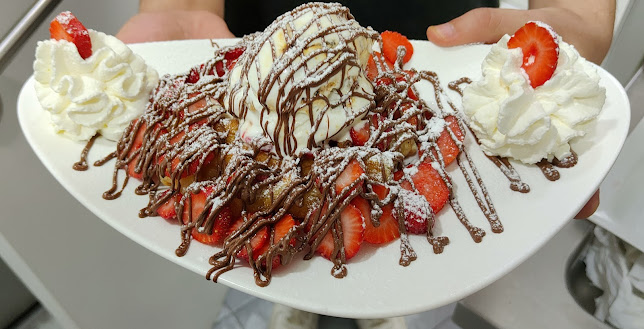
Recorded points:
(281, 228)
(415, 223)
(194, 205)
(167, 209)
(387, 230)
(359, 136)
(193, 76)
(131, 168)
(417, 212)
(429, 184)
(351, 173)
(540, 51)
(352, 232)
(390, 43)
(220, 228)
(136, 144)
(67, 27)
(175, 162)
(257, 242)
(446, 144)
(372, 66)
(231, 57)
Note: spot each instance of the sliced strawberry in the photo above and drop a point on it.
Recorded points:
(412, 120)
(398, 175)
(429, 184)
(193, 76)
(220, 228)
(234, 53)
(352, 232)
(359, 136)
(351, 173)
(136, 144)
(387, 230)
(540, 51)
(67, 27)
(167, 209)
(411, 94)
(219, 68)
(282, 227)
(194, 205)
(390, 43)
(372, 66)
(131, 168)
(372, 69)
(257, 242)
(231, 57)
(446, 144)
(195, 108)
(193, 166)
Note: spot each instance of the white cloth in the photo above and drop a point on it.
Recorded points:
(618, 269)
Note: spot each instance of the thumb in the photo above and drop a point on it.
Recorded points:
(481, 25)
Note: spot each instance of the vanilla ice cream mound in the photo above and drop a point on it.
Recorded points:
(301, 82)
(512, 119)
(100, 94)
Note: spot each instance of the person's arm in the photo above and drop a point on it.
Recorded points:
(214, 6)
(160, 20)
(587, 24)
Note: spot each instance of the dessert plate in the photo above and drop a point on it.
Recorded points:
(376, 285)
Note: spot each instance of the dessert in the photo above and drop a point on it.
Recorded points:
(309, 138)
(537, 94)
(90, 82)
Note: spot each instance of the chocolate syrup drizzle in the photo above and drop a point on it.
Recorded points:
(187, 142)
(300, 75)
(81, 165)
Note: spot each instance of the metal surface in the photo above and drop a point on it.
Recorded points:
(20, 32)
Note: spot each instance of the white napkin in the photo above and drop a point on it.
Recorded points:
(618, 269)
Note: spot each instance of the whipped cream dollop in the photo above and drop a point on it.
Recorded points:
(100, 94)
(512, 119)
(302, 80)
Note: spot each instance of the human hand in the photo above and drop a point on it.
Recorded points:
(173, 25)
(590, 31)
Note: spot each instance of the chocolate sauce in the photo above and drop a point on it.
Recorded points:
(105, 160)
(548, 170)
(438, 243)
(516, 184)
(81, 165)
(567, 162)
(186, 145)
(456, 84)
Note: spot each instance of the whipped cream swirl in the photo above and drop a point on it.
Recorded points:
(512, 119)
(100, 94)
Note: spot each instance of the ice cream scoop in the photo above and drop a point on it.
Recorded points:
(301, 82)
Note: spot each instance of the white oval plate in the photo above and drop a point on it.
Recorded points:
(376, 286)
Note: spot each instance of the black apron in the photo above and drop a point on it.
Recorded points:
(409, 17)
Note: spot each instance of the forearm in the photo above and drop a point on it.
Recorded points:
(214, 6)
(591, 26)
